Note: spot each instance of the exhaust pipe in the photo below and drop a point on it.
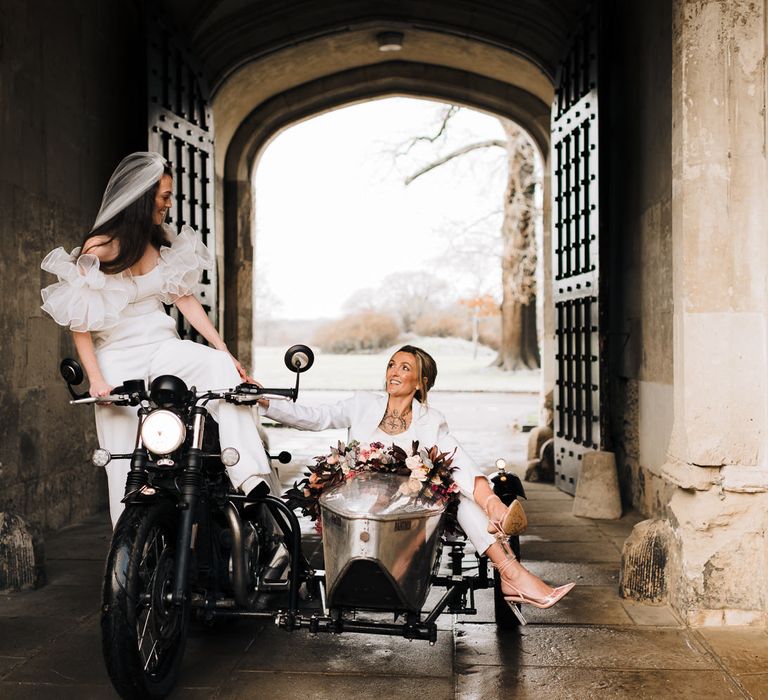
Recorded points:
(239, 578)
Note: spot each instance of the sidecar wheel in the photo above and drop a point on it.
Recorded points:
(504, 617)
(142, 635)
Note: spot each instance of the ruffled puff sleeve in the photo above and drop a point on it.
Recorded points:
(183, 264)
(84, 298)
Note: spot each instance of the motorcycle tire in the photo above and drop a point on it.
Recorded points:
(505, 619)
(142, 635)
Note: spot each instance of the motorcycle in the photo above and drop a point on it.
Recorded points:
(187, 544)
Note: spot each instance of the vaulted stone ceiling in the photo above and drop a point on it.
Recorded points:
(226, 34)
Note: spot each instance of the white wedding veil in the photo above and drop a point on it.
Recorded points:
(134, 175)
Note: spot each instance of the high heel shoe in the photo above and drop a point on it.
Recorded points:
(519, 597)
(512, 522)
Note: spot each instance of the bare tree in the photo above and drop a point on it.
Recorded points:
(366, 299)
(519, 342)
(410, 295)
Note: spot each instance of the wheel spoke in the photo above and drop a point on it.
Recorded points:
(148, 547)
(144, 629)
(151, 653)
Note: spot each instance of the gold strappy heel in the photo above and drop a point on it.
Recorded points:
(518, 596)
(513, 522)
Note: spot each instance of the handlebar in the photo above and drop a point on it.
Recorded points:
(237, 395)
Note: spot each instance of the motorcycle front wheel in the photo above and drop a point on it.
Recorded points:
(142, 633)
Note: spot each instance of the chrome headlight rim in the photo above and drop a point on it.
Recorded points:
(167, 440)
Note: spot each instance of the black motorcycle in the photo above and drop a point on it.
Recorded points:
(187, 543)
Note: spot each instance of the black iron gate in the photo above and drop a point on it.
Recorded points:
(181, 129)
(576, 265)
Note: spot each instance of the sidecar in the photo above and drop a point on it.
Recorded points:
(380, 546)
(385, 552)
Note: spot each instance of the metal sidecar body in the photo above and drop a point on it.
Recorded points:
(380, 545)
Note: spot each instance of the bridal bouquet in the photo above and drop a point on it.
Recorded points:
(428, 471)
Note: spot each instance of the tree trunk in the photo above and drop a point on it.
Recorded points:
(519, 339)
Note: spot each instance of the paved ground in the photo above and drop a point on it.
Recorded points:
(592, 645)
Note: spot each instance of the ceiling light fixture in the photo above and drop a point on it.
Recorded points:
(390, 41)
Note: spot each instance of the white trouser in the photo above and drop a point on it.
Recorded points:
(474, 522)
(199, 366)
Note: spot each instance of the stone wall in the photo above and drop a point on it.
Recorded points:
(72, 104)
(709, 495)
(637, 95)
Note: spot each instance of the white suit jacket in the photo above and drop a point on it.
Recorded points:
(361, 415)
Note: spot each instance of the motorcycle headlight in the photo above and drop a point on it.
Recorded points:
(162, 432)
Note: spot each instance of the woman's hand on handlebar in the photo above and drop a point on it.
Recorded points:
(240, 369)
(99, 388)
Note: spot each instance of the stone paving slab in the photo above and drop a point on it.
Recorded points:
(54, 601)
(41, 691)
(740, 649)
(601, 551)
(26, 635)
(569, 684)
(755, 684)
(289, 686)
(75, 572)
(74, 658)
(552, 645)
(280, 651)
(592, 573)
(542, 533)
(651, 615)
(559, 519)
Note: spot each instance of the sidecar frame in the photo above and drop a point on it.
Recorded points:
(458, 598)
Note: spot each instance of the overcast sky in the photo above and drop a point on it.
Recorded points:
(334, 216)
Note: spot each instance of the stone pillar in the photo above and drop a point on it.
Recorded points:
(716, 565)
(238, 268)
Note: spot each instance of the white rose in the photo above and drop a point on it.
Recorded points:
(413, 462)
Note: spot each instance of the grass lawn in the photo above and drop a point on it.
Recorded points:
(458, 370)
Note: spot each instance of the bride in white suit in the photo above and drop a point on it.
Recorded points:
(401, 416)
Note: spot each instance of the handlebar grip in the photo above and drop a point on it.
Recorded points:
(262, 390)
(111, 398)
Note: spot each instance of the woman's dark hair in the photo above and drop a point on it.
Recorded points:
(133, 228)
(427, 370)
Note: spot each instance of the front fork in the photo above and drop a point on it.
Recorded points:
(137, 475)
(189, 486)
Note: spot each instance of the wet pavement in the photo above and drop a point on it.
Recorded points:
(591, 645)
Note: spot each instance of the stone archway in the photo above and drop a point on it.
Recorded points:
(345, 88)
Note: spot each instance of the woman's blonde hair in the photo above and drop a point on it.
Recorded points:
(427, 368)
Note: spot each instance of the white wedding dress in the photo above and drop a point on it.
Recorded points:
(135, 338)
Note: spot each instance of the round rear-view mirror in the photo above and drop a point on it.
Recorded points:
(299, 358)
(71, 371)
